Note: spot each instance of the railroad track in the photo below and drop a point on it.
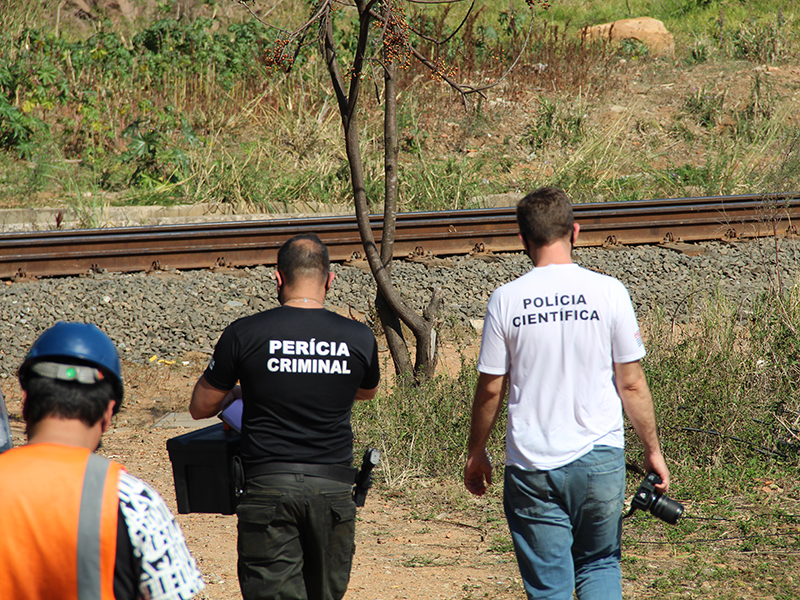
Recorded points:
(192, 246)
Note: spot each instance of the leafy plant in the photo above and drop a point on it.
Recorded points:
(155, 162)
(17, 129)
(633, 48)
(556, 122)
(704, 106)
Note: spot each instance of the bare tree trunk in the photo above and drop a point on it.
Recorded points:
(389, 319)
(421, 326)
(424, 331)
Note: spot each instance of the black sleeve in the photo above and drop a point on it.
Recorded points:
(372, 376)
(127, 568)
(221, 371)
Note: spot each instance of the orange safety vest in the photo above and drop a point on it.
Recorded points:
(58, 523)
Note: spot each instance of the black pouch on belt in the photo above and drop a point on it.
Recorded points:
(238, 476)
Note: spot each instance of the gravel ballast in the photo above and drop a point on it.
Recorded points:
(168, 314)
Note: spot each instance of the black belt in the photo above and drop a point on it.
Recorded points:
(335, 472)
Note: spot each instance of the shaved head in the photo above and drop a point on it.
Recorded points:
(304, 257)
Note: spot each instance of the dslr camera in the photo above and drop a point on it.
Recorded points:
(659, 505)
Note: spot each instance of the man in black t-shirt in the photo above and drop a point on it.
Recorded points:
(300, 368)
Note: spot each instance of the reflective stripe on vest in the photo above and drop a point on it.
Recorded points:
(89, 585)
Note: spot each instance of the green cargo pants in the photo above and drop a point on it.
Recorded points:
(296, 537)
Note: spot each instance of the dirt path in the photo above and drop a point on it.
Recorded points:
(404, 551)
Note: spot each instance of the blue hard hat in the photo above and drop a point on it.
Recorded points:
(76, 344)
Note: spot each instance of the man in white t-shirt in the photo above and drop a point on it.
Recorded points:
(565, 343)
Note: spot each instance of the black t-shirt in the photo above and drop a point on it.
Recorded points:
(299, 370)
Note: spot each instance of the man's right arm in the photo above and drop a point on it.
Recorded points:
(167, 570)
(207, 400)
(489, 394)
(638, 404)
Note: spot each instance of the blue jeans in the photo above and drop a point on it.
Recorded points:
(566, 525)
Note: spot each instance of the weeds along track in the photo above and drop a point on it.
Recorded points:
(426, 234)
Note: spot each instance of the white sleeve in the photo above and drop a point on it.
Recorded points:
(493, 358)
(169, 571)
(626, 342)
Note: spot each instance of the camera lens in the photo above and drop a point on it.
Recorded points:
(666, 509)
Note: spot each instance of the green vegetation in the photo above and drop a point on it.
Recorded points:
(728, 390)
(422, 430)
(159, 110)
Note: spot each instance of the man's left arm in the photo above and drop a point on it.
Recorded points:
(366, 394)
(638, 404)
(372, 375)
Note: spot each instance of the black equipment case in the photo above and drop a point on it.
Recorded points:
(202, 466)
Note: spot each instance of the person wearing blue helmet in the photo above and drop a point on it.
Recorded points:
(76, 525)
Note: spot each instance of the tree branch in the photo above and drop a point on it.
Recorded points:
(461, 88)
(337, 80)
(455, 31)
(291, 34)
(347, 106)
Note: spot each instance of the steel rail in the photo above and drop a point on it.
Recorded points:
(189, 246)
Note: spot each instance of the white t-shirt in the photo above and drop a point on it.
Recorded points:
(557, 331)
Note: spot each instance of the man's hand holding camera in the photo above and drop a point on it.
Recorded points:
(647, 497)
(655, 463)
